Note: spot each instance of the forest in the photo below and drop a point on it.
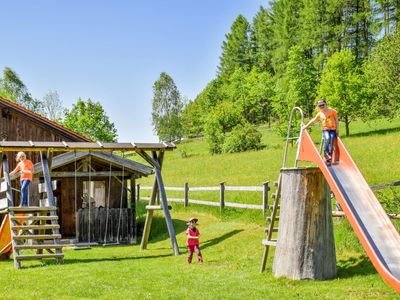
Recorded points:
(293, 53)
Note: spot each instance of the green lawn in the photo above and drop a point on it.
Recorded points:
(232, 253)
(231, 241)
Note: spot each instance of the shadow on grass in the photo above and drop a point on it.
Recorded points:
(355, 266)
(159, 230)
(218, 240)
(375, 132)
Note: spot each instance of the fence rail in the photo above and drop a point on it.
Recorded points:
(222, 188)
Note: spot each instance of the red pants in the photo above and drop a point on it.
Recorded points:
(194, 248)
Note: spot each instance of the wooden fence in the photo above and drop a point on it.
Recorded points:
(221, 188)
(222, 203)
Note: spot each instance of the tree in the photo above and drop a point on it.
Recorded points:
(342, 86)
(298, 86)
(192, 120)
(382, 79)
(262, 40)
(89, 119)
(286, 31)
(236, 48)
(52, 106)
(167, 109)
(13, 88)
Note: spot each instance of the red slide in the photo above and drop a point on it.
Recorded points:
(5, 238)
(373, 227)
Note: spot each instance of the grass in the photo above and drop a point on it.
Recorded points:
(232, 254)
(231, 241)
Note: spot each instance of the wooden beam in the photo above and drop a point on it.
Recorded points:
(149, 214)
(163, 196)
(133, 209)
(86, 174)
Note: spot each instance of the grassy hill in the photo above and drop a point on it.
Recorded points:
(231, 241)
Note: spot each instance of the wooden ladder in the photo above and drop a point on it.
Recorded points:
(35, 228)
(272, 227)
(274, 218)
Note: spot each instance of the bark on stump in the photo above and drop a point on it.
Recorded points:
(305, 248)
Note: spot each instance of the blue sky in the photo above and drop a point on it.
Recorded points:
(113, 51)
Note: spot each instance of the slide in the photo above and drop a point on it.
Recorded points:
(5, 238)
(373, 227)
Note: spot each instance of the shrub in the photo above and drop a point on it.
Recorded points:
(243, 137)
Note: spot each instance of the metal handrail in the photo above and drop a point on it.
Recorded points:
(290, 138)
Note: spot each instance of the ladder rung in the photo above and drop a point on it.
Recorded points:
(272, 207)
(35, 218)
(37, 237)
(35, 227)
(39, 256)
(293, 138)
(32, 208)
(273, 229)
(270, 219)
(273, 195)
(276, 183)
(41, 246)
(269, 242)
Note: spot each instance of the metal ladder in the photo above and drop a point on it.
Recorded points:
(272, 220)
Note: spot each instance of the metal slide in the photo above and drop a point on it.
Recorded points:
(373, 227)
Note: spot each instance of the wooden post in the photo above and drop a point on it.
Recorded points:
(222, 195)
(133, 210)
(265, 197)
(138, 192)
(50, 197)
(305, 247)
(186, 194)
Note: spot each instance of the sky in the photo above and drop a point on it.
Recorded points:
(113, 51)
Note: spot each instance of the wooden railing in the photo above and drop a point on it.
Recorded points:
(222, 203)
(221, 188)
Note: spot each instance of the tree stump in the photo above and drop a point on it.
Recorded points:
(305, 247)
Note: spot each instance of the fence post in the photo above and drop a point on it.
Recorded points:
(186, 194)
(138, 192)
(222, 195)
(265, 196)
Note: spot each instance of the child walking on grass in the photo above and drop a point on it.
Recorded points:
(193, 242)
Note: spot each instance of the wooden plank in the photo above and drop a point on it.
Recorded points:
(269, 243)
(37, 237)
(34, 218)
(42, 186)
(34, 227)
(186, 194)
(39, 256)
(205, 188)
(3, 203)
(244, 188)
(41, 246)
(3, 186)
(86, 174)
(27, 209)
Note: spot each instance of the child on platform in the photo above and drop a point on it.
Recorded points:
(26, 168)
(193, 242)
(330, 130)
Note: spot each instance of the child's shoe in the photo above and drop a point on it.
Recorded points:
(189, 260)
(200, 259)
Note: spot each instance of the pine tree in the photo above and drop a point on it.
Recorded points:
(236, 48)
(262, 40)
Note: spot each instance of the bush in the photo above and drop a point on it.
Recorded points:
(243, 137)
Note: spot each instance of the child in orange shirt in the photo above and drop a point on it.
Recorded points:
(26, 168)
(193, 243)
(330, 129)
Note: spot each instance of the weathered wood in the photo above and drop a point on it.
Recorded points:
(40, 256)
(265, 197)
(70, 174)
(133, 211)
(157, 207)
(186, 194)
(222, 195)
(42, 186)
(305, 246)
